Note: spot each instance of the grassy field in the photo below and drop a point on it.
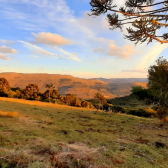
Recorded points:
(129, 102)
(42, 135)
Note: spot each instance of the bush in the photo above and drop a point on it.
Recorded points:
(117, 109)
(140, 113)
(58, 101)
(162, 112)
(3, 93)
(137, 112)
(11, 94)
(38, 98)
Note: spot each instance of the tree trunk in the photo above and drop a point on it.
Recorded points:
(102, 106)
(49, 95)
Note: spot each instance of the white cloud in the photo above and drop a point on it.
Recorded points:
(3, 57)
(151, 55)
(120, 52)
(7, 50)
(110, 48)
(72, 56)
(39, 50)
(136, 70)
(50, 39)
(99, 49)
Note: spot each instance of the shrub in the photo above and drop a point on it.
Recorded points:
(162, 112)
(117, 109)
(140, 113)
(38, 98)
(3, 93)
(11, 94)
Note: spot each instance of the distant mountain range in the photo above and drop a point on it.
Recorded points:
(82, 88)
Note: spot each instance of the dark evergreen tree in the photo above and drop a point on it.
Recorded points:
(158, 85)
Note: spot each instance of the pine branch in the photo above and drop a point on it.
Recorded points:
(149, 5)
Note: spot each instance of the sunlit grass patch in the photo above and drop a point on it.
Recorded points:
(9, 114)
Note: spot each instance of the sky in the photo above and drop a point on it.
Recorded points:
(59, 37)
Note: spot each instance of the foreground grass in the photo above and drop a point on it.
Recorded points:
(39, 135)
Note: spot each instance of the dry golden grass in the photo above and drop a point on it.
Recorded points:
(9, 114)
(41, 104)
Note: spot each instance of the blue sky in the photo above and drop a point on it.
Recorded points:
(58, 37)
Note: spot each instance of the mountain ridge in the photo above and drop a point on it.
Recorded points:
(82, 88)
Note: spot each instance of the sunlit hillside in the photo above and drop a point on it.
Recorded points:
(143, 84)
(82, 88)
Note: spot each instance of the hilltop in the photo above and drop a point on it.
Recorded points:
(82, 88)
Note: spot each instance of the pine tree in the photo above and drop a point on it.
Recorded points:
(138, 14)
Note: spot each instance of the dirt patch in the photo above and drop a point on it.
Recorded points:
(7, 133)
(73, 155)
(117, 161)
(143, 141)
(46, 150)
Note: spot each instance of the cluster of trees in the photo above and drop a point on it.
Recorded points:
(31, 92)
(72, 100)
(157, 92)
(144, 94)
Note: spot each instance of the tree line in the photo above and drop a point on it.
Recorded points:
(31, 92)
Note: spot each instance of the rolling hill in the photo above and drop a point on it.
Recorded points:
(82, 88)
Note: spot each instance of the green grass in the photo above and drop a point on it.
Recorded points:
(129, 102)
(29, 140)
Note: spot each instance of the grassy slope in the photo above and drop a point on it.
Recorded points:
(101, 140)
(129, 102)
